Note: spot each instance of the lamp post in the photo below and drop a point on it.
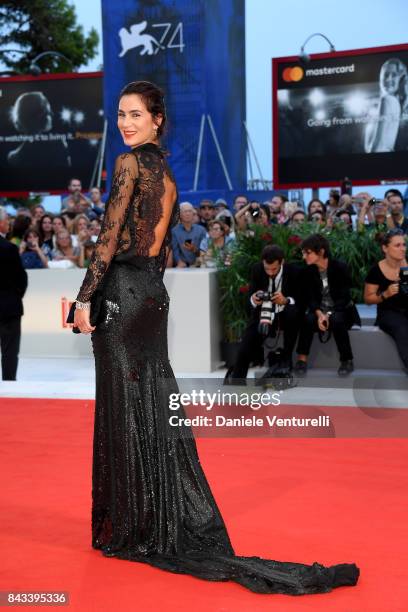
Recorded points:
(36, 70)
(304, 56)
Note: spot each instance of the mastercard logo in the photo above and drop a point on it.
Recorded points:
(293, 74)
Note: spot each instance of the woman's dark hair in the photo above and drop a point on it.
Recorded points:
(315, 243)
(89, 244)
(20, 226)
(39, 227)
(388, 236)
(321, 204)
(64, 221)
(153, 98)
(297, 212)
(272, 253)
(32, 230)
(266, 210)
(217, 222)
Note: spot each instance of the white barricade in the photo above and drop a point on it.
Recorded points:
(194, 330)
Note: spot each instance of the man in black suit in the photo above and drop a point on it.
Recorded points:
(326, 292)
(280, 280)
(13, 284)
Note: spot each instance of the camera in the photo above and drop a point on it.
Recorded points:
(267, 315)
(226, 220)
(403, 282)
(371, 202)
(263, 295)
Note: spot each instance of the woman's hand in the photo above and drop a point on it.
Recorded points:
(81, 320)
(391, 290)
(83, 236)
(35, 245)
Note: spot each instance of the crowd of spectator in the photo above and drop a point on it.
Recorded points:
(64, 240)
(206, 235)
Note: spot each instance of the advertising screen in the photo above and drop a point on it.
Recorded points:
(341, 114)
(50, 130)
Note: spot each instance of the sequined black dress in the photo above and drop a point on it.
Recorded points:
(150, 499)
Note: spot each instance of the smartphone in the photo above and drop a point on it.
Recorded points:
(188, 241)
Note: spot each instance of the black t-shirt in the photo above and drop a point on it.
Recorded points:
(396, 302)
(403, 225)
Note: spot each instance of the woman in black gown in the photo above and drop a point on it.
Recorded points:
(150, 499)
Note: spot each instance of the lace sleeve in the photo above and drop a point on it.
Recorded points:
(122, 189)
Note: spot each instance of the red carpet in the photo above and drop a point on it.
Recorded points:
(325, 500)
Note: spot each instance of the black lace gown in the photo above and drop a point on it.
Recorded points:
(150, 498)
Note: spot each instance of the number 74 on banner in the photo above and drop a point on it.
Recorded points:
(175, 38)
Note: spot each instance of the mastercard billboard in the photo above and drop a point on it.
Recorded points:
(340, 114)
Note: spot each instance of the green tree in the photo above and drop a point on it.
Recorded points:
(29, 27)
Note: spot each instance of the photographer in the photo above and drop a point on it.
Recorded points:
(272, 306)
(254, 212)
(342, 213)
(372, 212)
(387, 286)
(326, 291)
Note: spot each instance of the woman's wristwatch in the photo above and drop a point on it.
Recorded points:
(83, 305)
(382, 296)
